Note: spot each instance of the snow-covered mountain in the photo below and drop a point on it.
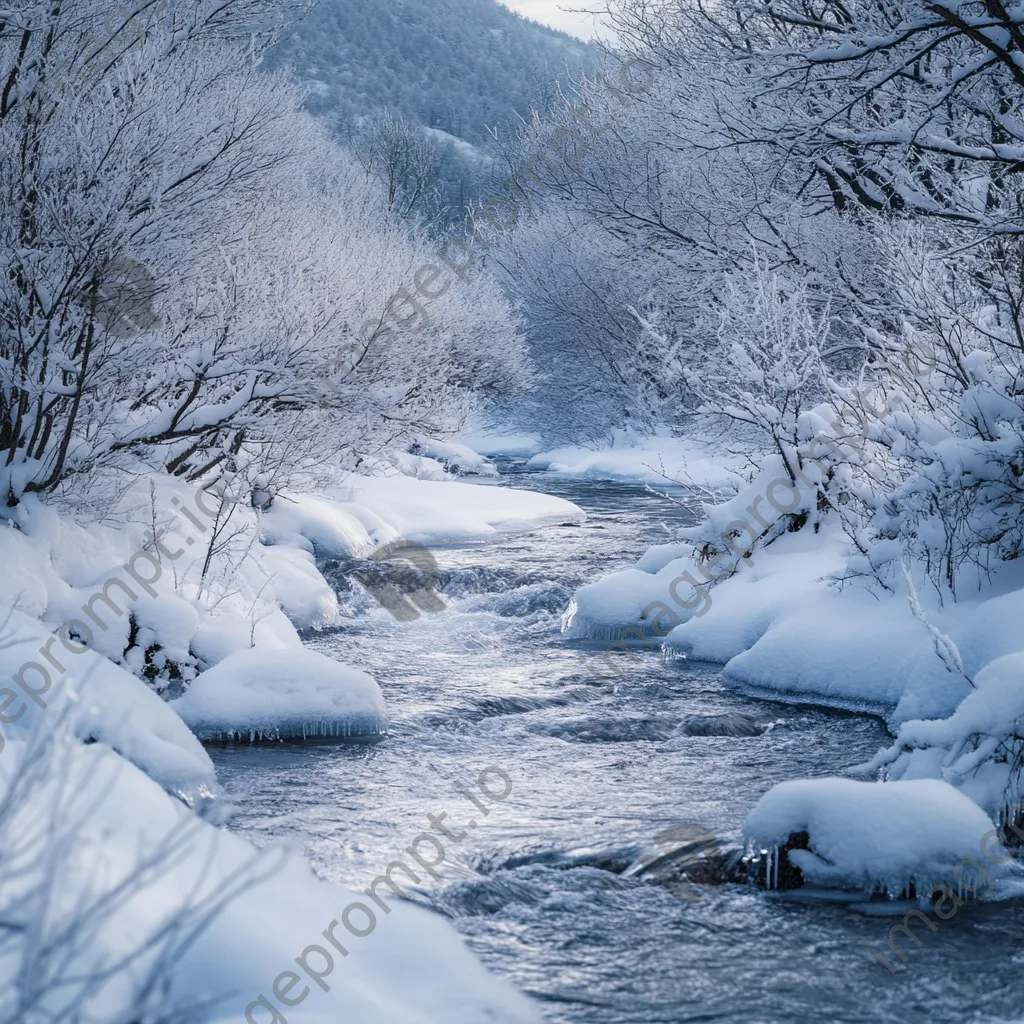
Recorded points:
(454, 65)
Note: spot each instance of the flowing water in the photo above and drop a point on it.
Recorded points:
(600, 769)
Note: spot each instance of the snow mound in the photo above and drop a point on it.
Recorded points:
(284, 694)
(301, 591)
(98, 701)
(780, 627)
(659, 461)
(316, 525)
(878, 836)
(459, 459)
(432, 511)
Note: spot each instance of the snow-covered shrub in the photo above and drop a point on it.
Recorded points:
(944, 487)
(766, 367)
(979, 748)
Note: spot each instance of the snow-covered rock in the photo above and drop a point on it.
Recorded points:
(260, 694)
(456, 458)
(869, 835)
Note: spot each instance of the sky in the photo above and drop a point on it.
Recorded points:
(552, 12)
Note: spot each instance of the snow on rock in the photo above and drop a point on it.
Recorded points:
(99, 701)
(315, 524)
(381, 532)
(456, 458)
(870, 835)
(633, 599)
(264, 694)
(246, 915)
(397, 463)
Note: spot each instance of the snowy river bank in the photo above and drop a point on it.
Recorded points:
(597, 772)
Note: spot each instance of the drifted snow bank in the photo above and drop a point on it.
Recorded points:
(775, 614)
(779, 625)
(224, 579)
(282, 695)
(870, 836)
(659, 461)
(431, 511)
(262, 909)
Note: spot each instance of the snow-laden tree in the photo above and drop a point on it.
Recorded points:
(124, 133)
(193, 275)
(752, 186)
(900, 106)
(643, 194)
(405, 160)
(763, 367)
(621, 228)
(945, 421)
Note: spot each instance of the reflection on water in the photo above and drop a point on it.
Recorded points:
(541, 886)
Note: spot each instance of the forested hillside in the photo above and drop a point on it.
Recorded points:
(454, 65)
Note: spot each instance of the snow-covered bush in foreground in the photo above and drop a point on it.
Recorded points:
(979, 747)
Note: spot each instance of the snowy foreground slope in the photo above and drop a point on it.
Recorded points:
(212, 921)
(176, 619)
